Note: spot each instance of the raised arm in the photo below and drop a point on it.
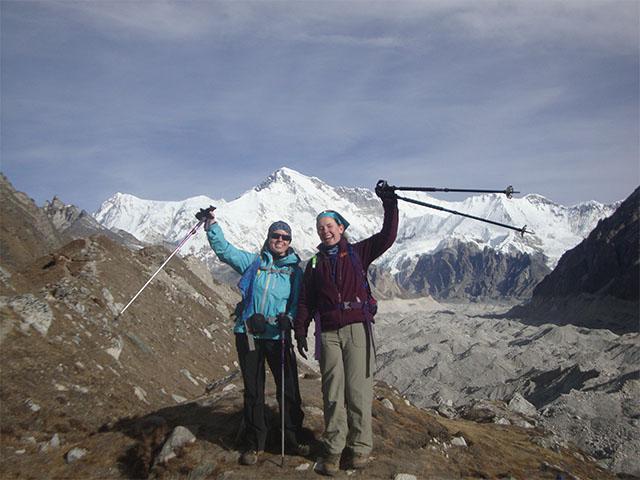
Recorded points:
(371, 248)
(237, 259)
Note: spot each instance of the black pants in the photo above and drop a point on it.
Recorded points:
(252, 365)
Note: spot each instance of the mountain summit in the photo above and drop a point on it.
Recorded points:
(424, 236)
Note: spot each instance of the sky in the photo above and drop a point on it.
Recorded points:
(167, 100)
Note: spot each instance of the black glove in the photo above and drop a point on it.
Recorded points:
(203, 214)
(384, 190)
(302, 346)
(284, 322)
(207, 216)
(256, 323)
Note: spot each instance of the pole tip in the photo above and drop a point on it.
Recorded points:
(524, 230)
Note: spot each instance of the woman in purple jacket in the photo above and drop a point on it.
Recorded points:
(336, 291)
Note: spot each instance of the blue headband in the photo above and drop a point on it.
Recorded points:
(335, 215)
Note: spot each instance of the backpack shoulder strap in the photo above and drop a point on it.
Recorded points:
(295, 274)
(246, 283)
(357, 265)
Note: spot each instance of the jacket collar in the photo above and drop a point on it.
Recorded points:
(290, 258)
(342, 246)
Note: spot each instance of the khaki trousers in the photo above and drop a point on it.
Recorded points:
(347, 389)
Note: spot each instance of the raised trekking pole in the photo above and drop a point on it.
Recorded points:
(202, 217)
(509, 191)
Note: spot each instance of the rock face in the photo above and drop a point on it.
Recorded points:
(597, 283)
(605, 263)
(72, 223)
(462, 270)
(26, 232)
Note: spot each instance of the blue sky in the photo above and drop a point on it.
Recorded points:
(167, 100)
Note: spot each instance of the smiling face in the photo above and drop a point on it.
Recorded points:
(279, 242)
(329, 231)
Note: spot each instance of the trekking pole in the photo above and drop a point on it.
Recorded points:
(522, 230)
(282, 347)
(284, 324)
(509, 191)
(202, 217)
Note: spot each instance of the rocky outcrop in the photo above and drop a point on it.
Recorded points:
(597, 283)
(73, 223)
(26, 232)
(606, 263)
(462, 270)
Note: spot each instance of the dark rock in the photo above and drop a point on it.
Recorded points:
(462, 270)
(605, 263)
(597, 283)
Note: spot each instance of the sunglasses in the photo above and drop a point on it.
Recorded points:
(278, 236)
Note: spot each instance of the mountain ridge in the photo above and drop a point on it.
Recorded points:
(291, 196)
(596, 283)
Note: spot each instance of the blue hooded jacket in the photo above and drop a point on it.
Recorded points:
(276, 285)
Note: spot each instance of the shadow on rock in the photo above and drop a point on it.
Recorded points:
(222, 428)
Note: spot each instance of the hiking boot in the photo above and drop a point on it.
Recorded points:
(329, 465)
(250, 457)
(359, 461)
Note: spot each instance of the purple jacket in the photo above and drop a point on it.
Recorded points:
(320, 293)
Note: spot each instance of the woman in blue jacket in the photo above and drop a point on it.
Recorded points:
(270, 285)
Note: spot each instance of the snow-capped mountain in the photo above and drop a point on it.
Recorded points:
(295, 198)
(149, 220)
(555, 228)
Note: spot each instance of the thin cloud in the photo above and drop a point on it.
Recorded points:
(429, 92)
(382, 41)
(155, 19)
(601, 24)
(605, 24)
